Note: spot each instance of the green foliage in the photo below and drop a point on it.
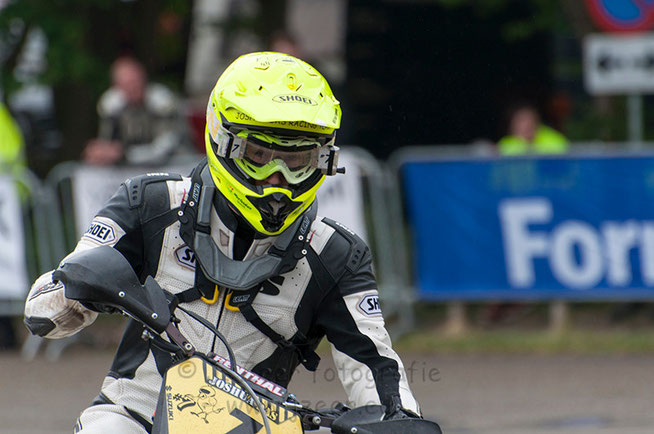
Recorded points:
(69, 57)
(589, 123)
(84, 36)
(530, 342)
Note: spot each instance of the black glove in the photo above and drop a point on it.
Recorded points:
(395, 411)
(100, 308)
(401, 413)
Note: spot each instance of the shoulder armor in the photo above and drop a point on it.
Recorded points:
(136, 185)
(357, 249)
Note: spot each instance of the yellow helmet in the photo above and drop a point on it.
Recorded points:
(271, 112)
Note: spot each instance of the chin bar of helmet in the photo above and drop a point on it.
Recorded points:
(324, 157)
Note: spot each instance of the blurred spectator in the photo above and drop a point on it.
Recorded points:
(528, 135)
(139, 121)
(12, 161)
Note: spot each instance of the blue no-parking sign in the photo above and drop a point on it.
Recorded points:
(573, 228)
(622, 15)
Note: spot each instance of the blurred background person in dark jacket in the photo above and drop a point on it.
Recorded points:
(139, 121)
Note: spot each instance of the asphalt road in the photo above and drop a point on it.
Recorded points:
(465, 394)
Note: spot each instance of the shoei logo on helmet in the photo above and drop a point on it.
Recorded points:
(369, 305)
(294, 98)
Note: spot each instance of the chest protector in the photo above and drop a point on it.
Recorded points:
(244, 278)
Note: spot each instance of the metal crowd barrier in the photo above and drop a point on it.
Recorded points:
(55, 223)
(57, 219)
(73, 192)
(30, 226)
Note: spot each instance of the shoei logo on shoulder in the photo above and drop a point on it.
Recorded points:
(369, 305)
(294, 98)
(185, 256)
(100, 233)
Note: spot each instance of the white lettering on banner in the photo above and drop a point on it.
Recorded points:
(567, 235)
(519, 245)
(579, 254)
(647, 255)
(620, 238)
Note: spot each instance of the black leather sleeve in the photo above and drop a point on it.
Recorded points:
(349, 262)
(141, 207)
(131, 244)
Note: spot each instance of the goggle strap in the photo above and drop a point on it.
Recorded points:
(333, 160)
(327, 159)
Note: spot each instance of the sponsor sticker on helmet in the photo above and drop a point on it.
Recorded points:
(294, 98)
(100, 232)
(369, 305)
(185, 256)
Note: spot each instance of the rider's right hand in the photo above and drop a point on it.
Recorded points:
(100, 308)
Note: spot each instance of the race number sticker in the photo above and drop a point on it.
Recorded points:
(199, 397)
(369, 305)
(100, 232)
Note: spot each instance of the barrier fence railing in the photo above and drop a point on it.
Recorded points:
(445, 223)
(357, 200)
(24, 231)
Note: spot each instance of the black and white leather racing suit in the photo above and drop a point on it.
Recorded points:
(330, 291)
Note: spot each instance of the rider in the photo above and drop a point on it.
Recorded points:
(239, 242)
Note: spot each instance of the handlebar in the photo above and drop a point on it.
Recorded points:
(103, 279)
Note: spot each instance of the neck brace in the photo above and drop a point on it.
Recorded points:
(195, 230)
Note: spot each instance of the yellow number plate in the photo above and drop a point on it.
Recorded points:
(203, 399)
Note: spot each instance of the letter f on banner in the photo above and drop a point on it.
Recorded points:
(520, 245)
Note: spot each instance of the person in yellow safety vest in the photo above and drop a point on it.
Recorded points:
(12, 161)
(12, 156)
(527, 135)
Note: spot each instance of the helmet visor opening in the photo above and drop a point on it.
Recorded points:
(259, 155)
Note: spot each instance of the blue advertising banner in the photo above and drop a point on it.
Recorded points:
(532, 228)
